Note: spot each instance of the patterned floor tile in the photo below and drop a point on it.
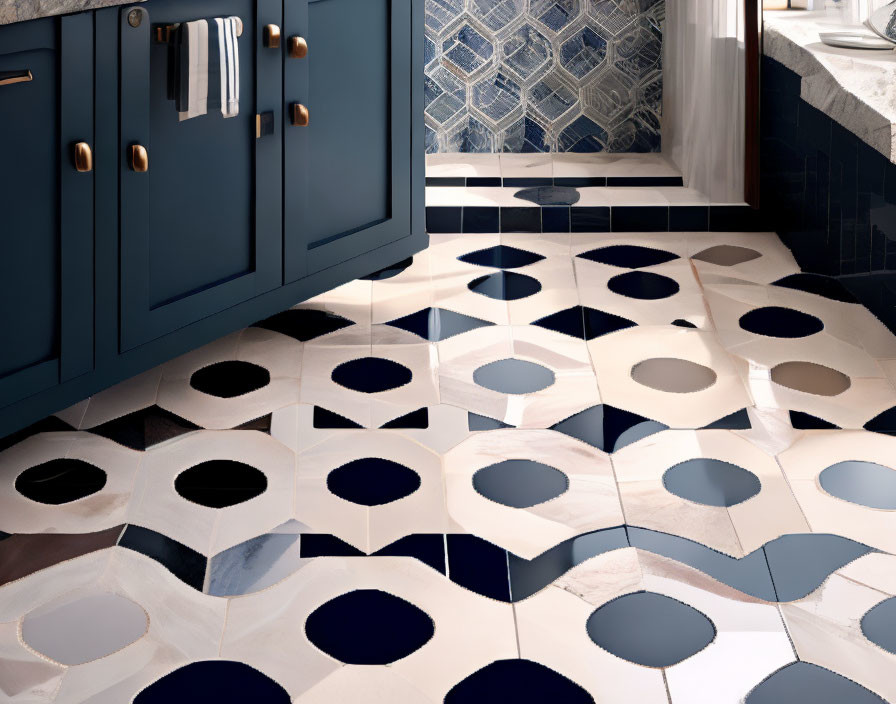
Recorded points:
(578, 468)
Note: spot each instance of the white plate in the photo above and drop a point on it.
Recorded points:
(855, 40)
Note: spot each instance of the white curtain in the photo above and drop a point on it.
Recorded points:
(703, 95)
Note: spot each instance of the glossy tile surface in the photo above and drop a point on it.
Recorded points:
(634, 483)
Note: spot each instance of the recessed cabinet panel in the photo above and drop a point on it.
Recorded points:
(201, 226)
(46, 206)
(348, 176)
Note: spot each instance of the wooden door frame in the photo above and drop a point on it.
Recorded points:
(753, 56)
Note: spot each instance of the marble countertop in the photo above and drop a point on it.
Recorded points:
(21, 10)
(855, 87)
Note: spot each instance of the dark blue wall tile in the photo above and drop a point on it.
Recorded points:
(735, 218)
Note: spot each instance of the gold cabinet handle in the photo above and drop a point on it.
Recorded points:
(272, 36)
(300, 115)
(298, 48)
(7, 78)
(138, 159)
(82, 155)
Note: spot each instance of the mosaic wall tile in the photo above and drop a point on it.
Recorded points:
(543, 75)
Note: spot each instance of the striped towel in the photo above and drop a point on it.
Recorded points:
(206, 68)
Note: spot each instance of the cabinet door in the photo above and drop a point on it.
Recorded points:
(201, 229)
(347, 187)
(46, 205)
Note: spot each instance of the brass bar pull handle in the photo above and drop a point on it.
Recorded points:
(138, 158)
(7, 78)
(300, 115)
(272, 36)
(298, 48)
(82, 155)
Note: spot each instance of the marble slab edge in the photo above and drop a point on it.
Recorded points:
(823, 91)
(12, 11)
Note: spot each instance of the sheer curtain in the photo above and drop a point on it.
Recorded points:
(703, 104)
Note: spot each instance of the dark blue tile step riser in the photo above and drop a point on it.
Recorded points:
(578, 219)
(568, 181)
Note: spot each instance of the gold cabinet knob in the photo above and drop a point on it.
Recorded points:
(82, 155)
(300, 115)
(272, 36)
(138, 158)
(298, 48)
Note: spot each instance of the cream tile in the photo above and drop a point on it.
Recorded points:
(615, 355)
(104, 509)
(527, 165)
(463, 165)
(370, 528)
(573, 390)
(25, 676)
(204, 529)
(804, 462)
(373, 685)
(568, 164)
(589, 503)
(265, 629)
(826, 631)
(131, 395)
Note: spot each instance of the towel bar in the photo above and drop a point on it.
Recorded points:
(7, 78)
(162, 33)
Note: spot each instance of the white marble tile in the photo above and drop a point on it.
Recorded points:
(265, 629)
(589, 503)
(131, 395)
(106, 508)
(814, 453)
(569, 165)
(527, 165)
(463, 165)
(209, 530)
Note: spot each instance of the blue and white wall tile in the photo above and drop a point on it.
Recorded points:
(543, 75)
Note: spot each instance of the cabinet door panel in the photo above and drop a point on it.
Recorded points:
(202, 228)
(348, 173)
(46, 275)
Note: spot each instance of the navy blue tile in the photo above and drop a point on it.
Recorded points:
(483, 182)
(688, 218)
(528, 182)
(502, 256)
(220, 681)
(521, 220)
(805, 421)
(802, 682)
(304, 324)
(60, 481)
(528, 577)
(580, 182)
(220, 483)
(517, 681)
(478, 565)
(590, 219)
(325, 419)
(415, 420)
(735, 218)
(183, 562)
(372, 481)
(444, 220)
(879, 624)
(324, 545)
(437, 324)
(505, 286)
(368, 627)
(477, 422)
(555, 219)
(371, 375)
(478, 220)
(739, 420)
(429, 548)
(711, 482)
(608, 428)
(440, 182)
(52, 424)
(644, 181)
(749, 574)
(640, 218)
(800, 563)
(629, 256)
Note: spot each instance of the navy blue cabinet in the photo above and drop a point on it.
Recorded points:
(201, 229)
(348, 137)
(106, 272)
(46, 205)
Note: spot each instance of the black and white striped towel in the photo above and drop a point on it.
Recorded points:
(206, 67)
